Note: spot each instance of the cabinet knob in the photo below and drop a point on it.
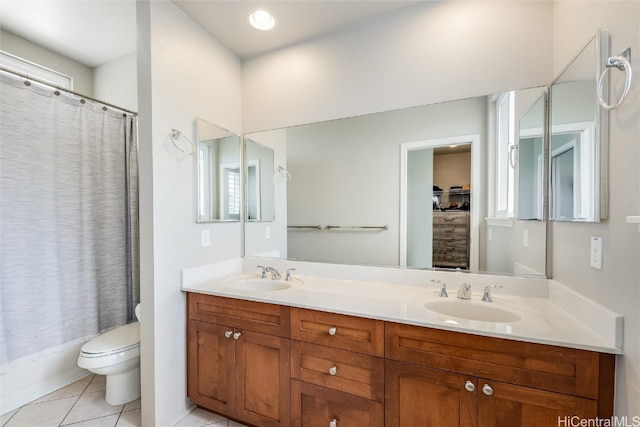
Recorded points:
(236, 335)
(333, 423)
(332, 330)
(486, 389)
(470, 386)
(228, 334)
(333, 370)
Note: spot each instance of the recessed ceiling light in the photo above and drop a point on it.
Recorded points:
(262, 20)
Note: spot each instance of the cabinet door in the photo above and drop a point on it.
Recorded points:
(418, 396)
(210, 366)
(263, 370)
(501, 404)
(316, 406)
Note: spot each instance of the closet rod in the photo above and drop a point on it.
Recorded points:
(28, 77)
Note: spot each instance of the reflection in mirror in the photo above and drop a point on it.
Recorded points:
(218, 174)
(578, 145)
(531, 174)
(260, 174)
(347, 173)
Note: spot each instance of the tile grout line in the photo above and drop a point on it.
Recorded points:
(77, 399)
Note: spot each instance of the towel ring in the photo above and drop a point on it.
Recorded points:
(176, 135)
(621, 62)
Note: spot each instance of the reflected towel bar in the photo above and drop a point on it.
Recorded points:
(358, 227)
(319, 227)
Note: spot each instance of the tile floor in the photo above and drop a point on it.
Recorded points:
(82, 404)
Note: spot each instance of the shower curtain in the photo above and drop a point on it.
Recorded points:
(68, 220)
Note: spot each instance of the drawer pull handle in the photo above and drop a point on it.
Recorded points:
(236, 335)
(470, 386)
(228, 334)
(333, 423)
(332, 331)
(486, 389)
(333, 370)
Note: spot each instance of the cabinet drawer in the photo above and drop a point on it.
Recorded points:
(565, 370)
(341, 370)
(315, 406)
(450, 218)
(271, 319)
(339, 331)
(445, 231)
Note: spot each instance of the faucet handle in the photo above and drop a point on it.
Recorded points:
(443, 288)
(486, 297)
(264, 271)
(288, 276)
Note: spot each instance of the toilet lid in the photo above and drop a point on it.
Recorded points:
(117, 339)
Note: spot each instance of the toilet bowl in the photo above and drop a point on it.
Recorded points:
(116, 354)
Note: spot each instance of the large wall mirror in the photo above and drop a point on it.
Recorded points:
(344, 201)
(219, 174)
(578, 158)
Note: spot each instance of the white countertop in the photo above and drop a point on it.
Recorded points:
(541, 319)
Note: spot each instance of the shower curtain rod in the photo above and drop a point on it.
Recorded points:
(28, 78)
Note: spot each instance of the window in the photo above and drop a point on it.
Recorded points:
(233, 201)
(504, 140)
(36, 71)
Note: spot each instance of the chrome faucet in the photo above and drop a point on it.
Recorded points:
(274, 273)
(442, 293)
(288, 277)
(465, 291)
(264, 271)
(269, 270)
(486, 297)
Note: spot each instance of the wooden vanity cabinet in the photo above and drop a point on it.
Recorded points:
(470, 380)
(238, 361)
(337, 370)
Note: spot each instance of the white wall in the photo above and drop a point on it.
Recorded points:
(617, 285)
(183, 73)
(81, 74)
(115, 82)
(431, 52)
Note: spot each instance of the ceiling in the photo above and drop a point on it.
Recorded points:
(93, 32)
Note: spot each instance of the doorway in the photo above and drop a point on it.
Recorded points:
(420, 194)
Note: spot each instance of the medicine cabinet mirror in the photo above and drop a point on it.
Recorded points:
(218, 171)
(259, 188)
(578, 153)
(531, 164)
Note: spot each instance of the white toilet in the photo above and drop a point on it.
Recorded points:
(116, 354)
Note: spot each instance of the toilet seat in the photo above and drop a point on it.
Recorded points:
(115, 346)
(114, 341)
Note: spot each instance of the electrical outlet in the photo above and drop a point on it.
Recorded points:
(596, 252)
(205, 239)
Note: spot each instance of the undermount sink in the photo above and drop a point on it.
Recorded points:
(258, 284)
(481, 311)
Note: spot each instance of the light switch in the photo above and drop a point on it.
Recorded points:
(267, 232)
(525, 238)
(205, 239)
(596, 252)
